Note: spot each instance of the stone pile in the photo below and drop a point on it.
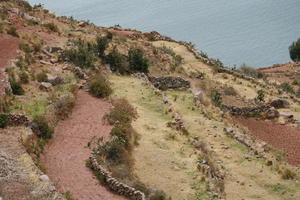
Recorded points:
(165, 83)
(115, 185)
(264, 111)
(77, 71)
(18, 120)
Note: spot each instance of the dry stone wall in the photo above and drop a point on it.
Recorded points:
(264, 111)
(169, 82)
(115, 185)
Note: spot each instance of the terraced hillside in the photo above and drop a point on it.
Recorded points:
(88, 112)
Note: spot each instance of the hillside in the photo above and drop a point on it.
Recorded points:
(89, 112)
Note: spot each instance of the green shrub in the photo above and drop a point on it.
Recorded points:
(16, 87)
(137, 60)
(64, 106)
(12, 31)
(122, 112)
(260, 96)
(125, 133)
(42, 76)
(295, 51)
(250, 71)
(51, 26)
(158, 195)
(42, 128)
(117, 62)
(25, 47)
(102, 44)
(287, 88)
(24, 77)
(3, 120)
(216, 98)
(82, 55)
(99, 87)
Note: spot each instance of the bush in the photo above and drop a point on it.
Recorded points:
(102, 44)
(99, 87)
(137, 61)
(64, 106)
(24, 77)
(216, 98)
(113, 150)
(295, 51)
(42, 128)
(158, 195)
(52, 27)
(122, 112)
(26, 48)
(260, 96)
(230, 91)
(250, 71)
(125, 133)
(42, 77)
(287, 88)
(117, 62)
(16, 87)
(12, 31)
(82, 55)
(288, 174)
(3, 120)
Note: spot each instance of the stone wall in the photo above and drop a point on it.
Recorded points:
(18, 120)
(115, 185)
(264, 111)
(169, 82)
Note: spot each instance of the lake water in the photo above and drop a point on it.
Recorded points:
(255, 32)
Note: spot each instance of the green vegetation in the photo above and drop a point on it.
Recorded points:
(25, 47)
(288, 174)
(42, 76)
(3, 120)
(216, 98)
(250, 71)
(12, 31)
(99, 87)
(42, 128)
(117, 62)
(24, 77)
(158, 195)
(260, 96)
(137, 60)
(51, 26)
(102, 44)
(83, 54)
(287, 88)
(16, 87)
(295, 51)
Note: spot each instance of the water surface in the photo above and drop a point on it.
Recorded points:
(256, 32)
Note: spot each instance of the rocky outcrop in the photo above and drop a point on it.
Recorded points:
(264, 111)
(280, 103)
(114, 184)
(165, 83)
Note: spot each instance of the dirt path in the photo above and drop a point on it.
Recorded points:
(66, 154)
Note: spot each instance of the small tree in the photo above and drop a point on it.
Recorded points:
(117, 62)
(102, 44)
(295, 51)
(137, 60)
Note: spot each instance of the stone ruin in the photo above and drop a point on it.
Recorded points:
(115, 185)
(264, 111)
(169, 82)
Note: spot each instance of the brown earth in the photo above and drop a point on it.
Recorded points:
(283, 137)
(8, 50)
(66, 154)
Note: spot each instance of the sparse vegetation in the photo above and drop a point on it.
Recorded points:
(288, 174)
(63, 106)
(24, 77)
(25, 47)
(250, 71)
(42, 76)
(260, 96)
(51, 26)
(12, 31)
(230, 91)
(42, 128)
(99, 86)
(16, 87)
(287, 88)
(216, 98)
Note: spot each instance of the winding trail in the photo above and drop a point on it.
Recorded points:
(66, 154)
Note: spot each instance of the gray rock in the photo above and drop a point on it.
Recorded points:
(44, 178)
(45, 86)
(286, 115)
(280, 103)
